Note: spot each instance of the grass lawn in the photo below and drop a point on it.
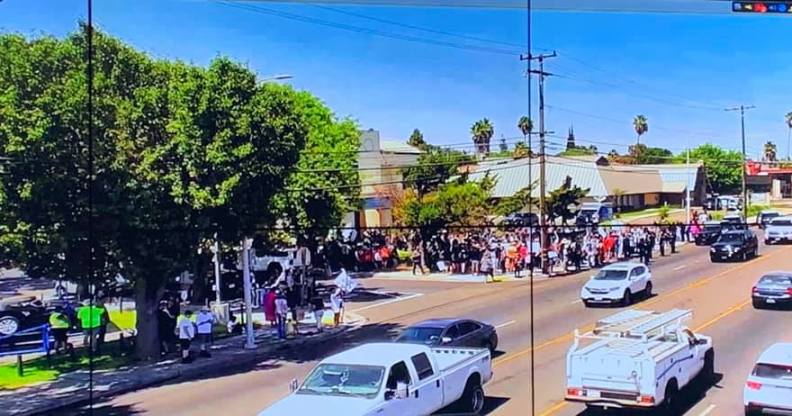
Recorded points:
(36, 370)
(640, 213)
(125, 320)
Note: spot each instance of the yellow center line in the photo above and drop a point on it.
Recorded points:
(692, 285)
(558, 406)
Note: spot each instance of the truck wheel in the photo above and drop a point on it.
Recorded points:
(472, 400)
(757, 304)
(627, 299)
(670, 400)
(708, 372)
(8, 325)
(752, 411)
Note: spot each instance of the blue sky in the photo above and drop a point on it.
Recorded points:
(678, 70)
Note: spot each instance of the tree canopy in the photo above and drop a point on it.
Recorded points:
(722, 166)
(179, 151)
(433, 168)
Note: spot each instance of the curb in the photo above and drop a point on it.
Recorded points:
(186, 373)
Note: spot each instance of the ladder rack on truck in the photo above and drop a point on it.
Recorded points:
(636, 324)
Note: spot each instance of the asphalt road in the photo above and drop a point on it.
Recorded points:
(719, 295)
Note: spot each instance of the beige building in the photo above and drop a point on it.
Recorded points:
(380, 163)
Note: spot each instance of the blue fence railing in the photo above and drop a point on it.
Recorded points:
(38, 345)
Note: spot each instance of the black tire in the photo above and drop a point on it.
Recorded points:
(757, 304)
(9, 325)
(586, 304)
(713, 259)
(492, 344)
(756, 252)
(648, 290)
(670, 400)
(708, 372)
(627, 298)
(472, 400)
(752, 411)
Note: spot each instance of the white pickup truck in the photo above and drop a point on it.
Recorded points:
(637, 359)
(389, 379)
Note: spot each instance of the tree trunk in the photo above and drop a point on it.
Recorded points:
(147, 296)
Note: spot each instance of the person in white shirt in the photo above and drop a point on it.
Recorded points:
(204, 323)
(337, 304)
(281, 311)
(186, 329)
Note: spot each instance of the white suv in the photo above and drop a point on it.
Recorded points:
(778, 229)
(617, 283)
(769, 386)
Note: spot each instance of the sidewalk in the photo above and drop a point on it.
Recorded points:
(71, 389)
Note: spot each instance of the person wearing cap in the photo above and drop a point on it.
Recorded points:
(90, 317)
(60, 324)
(203, 324)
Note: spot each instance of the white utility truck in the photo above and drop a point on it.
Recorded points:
(391, 379)
(637, 359)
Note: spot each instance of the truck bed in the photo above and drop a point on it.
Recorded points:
(448, 358)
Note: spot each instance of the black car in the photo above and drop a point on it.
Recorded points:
(733, 222)
(21, 312)
(709, 233)
(735, 245)
(451, 333)
(522, 219)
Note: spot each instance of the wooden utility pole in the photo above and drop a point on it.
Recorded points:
(742, 109)
(542, 162)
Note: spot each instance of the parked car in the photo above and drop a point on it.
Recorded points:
(735, 245)
(769, 386)
(594, 212)
(451, 333)
(778, 230)
(521, 219)
(772, 289)
(733, 221)
(764, 217)
(617, 283)
(637, 359)
(387, 379)
(709, 233)
(18, 313)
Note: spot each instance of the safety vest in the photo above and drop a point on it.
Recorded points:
(90, 317)
(58, 320)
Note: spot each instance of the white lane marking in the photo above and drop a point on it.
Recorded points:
(679, 267)
(388, 302)
(505, 324)
(576, 301)
(708, 410)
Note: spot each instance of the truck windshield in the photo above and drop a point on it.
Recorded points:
(344, 380)
(781, 223)
(611, 275)
(779, 372)
(421, 335)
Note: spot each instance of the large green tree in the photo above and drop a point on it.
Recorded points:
(433, 168)
(326, 184)
(561, 202)
(722, 166)
(178, 153)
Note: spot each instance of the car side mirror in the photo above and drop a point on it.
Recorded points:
(700, 341)
(293, 385)
(446, 340)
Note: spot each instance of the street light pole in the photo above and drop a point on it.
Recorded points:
(250, 338)
(216, 250)
(742, 109)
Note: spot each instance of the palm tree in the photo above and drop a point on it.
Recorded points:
(641, 125)
(482, 132)
(770, 152)
(526, 127)
(789, 131)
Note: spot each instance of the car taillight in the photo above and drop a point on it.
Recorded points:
(646, 400)
(789, 291)
(576, 392)
(753, 385)
(754, 290)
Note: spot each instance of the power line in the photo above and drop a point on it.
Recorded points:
(359, 29)
(414, 27)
